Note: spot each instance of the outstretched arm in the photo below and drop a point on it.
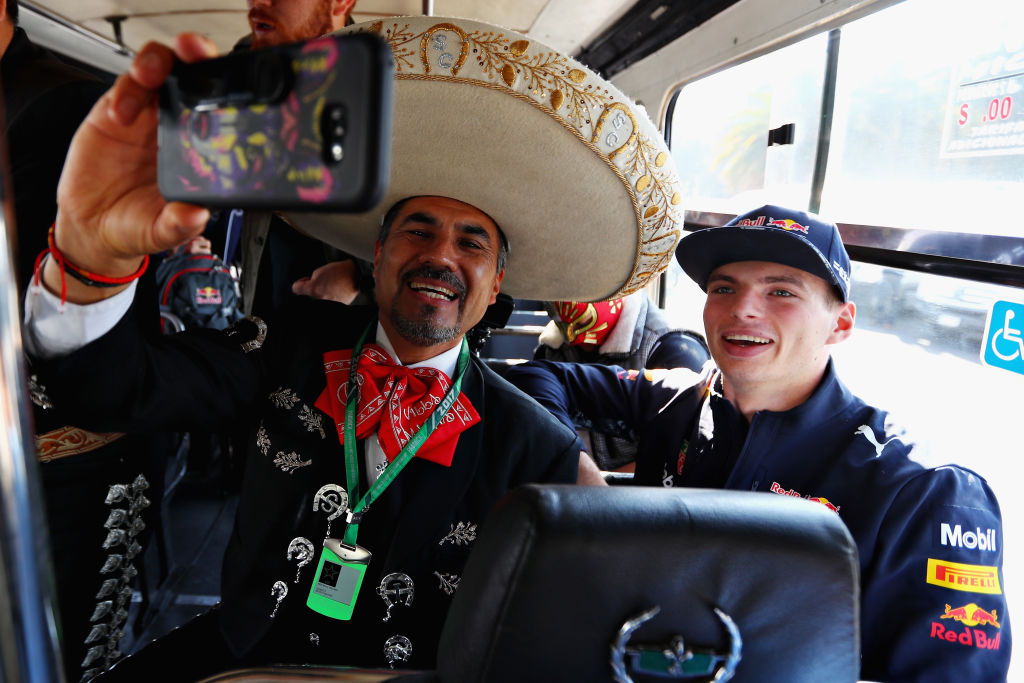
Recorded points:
(110, 211)
(599, 392)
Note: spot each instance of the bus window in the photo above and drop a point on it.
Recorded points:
(916, 352)
(929, 131)
(721, 123)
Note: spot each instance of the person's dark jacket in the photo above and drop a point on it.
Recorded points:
(929, 539)
(422, 526)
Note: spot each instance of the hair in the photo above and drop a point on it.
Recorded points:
(389, 220)
(12, 11)
(833, 297)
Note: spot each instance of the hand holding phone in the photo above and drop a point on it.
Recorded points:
(302, 126)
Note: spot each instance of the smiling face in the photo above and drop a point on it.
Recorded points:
(276, 22)
(436, 273)
(768, 326)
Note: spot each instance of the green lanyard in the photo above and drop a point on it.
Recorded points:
(407, 452)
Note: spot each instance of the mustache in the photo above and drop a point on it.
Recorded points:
(446, 276)
(256, 15)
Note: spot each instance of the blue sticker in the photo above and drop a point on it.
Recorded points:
(1004, 337)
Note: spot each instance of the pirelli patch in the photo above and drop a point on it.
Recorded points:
(970, 578)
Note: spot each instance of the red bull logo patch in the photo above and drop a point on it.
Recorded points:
(787, 224)
(971, 615)
(208, 295)
(824, 501)
(777, 488)
(971, 578)
(969, 637)
(634, 375)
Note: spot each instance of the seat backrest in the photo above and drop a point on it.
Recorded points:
(560, 574)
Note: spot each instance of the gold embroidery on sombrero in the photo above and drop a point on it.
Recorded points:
(500, 57)
(440, 44)
(655, 181)
(621, 112)
(429, 69)
(548, 78)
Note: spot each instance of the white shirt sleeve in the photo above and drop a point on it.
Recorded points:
(53, 329)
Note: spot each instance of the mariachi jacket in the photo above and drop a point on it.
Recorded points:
(929, 539)
(419, 531)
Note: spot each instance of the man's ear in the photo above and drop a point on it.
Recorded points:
(843, 328)
(497, 285)
(342, 8)
(376, 257)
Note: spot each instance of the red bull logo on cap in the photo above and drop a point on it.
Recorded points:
(787, 224)
(971, 615)
(971, 578)
(748, 222)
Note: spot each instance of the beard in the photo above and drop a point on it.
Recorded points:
(424, 330)
(317, 23)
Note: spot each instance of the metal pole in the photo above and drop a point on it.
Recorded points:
(428, 8)
(29, 649)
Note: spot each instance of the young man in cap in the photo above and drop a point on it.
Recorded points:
(327, 477)
(771, 415)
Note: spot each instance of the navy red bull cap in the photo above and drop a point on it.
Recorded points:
(793, 238)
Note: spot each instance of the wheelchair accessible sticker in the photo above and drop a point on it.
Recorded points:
(1004, 337)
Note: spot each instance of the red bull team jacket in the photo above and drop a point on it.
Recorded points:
(929, 539)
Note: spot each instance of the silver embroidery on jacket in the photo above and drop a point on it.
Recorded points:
(283, 398)
(313, 420)
(37, 392)
(247, 345)
(449, 582)
(278, 591)
(396, 589)
(397, 649)
(123, 525)
(462, 533)
(301, 550)
(262, 439)
(289, 462)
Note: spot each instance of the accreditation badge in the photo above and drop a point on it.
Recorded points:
(338, 578)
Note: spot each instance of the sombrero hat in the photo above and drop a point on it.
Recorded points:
(576, 175)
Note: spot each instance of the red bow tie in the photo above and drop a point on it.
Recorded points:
(394, 402)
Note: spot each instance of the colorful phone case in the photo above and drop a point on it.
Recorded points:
(303, 126)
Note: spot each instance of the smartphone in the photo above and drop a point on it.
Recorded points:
(303, 126)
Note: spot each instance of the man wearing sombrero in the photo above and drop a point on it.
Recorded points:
(770, 414)
(502, 149)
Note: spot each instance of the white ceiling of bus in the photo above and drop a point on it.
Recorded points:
(563, 24)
